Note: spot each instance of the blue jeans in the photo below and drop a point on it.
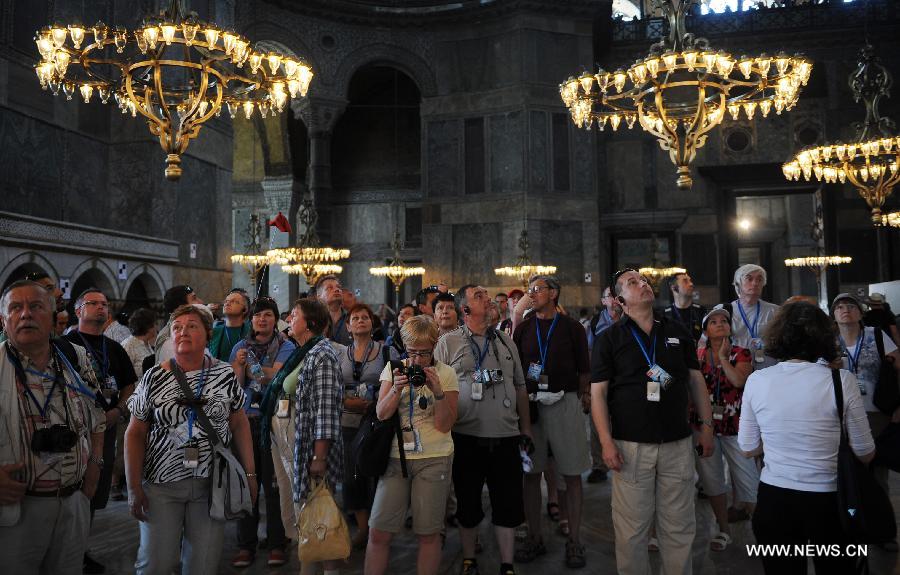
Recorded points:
(179, 528)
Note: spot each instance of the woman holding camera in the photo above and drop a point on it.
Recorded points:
(425, 392)
(361, 364)
(168, 454)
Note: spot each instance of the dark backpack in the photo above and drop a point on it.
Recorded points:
(887, 395)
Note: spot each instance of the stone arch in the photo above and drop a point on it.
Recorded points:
(26, 262)
(386, 55)
(143, 288)
(101, 273)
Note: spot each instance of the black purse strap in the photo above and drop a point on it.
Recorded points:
(397, 426)
(204, 421)
(879, 342)
(839, 401)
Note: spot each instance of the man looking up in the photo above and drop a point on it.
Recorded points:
(554, 354)
(236, 309)
(750, 314)
(330, 293)
(683, 309)
(44, 521)
(117, 378)
(492, 423)
(643, 372)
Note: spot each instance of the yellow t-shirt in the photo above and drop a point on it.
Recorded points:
(433, 442)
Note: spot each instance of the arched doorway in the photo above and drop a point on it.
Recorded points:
(21, 271)
(90, 278)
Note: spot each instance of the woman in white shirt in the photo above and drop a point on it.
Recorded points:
(789, 411)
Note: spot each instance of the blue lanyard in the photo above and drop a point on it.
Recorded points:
(750, 329)
(853, 358)
(479, 356)
(227, 337)
(104, 364)
(651, 359)
(193, 413)
(542, 348)
(42, 410)
(79, 386)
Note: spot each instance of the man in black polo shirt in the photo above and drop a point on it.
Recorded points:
(116, 375)
(554, 353)
(643, 373)
(683, 309)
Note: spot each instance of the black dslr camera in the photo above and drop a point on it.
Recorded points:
(54, 439)
(415, 373)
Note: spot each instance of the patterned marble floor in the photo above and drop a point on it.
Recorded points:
(115, 538)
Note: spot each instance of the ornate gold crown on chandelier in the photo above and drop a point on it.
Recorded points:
(174, 70)
(683, 89)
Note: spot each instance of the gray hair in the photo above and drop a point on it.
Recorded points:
(744, 271)
(551, 282)
(4, 300)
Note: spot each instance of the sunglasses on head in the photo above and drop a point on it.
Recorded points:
(620, 273)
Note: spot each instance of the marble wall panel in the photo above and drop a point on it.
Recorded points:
(443, 158)
(562, 244)
(31, 173)
(131, 190)
(625, 173)
(583, 160)
(507, 152)
(538, 152)
(85, 169)
(194, 217)
(476, 253)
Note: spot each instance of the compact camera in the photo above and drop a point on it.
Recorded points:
(54, 439)
(415, 373)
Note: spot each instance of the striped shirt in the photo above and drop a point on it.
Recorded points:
(51, 471)
(320, 396)
(155, 401)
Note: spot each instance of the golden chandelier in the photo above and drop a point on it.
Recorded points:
(396, 270)
(683, 89)
(523, 269)
(174, 70)
(872, 161)
(308, 258)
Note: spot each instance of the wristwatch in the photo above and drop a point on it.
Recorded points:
(96, 461)
(706, 422)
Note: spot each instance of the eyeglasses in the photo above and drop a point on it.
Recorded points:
(536, 289)
(95, 303)
(419, 352)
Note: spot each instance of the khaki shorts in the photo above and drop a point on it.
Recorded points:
(427, 486)
(561, 426)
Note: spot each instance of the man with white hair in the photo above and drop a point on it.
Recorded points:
(750, 314)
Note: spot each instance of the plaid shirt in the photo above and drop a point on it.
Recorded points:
(320, 397)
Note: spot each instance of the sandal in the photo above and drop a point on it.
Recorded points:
(553, 511)
(563, 528)
(653, 544)
(574, 555)
(720, 541)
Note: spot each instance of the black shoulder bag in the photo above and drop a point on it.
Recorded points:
(887, 395)
(865, 509)
(371, 447)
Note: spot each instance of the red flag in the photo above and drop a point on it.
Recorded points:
(281, 223)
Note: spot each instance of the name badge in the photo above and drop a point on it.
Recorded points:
(110, 383)
(534, 372)
(653, 391)
(718, 412)
(759, 354)
(284, 408)
(477, 390)
(862, 387)
(411, 441)
(659, 375)
(191, 456)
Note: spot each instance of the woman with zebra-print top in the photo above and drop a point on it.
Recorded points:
(168, 454)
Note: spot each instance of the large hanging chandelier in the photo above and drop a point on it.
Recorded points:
(396, 270)
(683, 89)
(309, 258)
(524, 268)
(175, 70)
(892, 219)
(872, 161)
